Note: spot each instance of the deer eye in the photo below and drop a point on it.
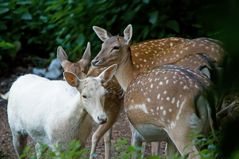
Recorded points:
(84, 96)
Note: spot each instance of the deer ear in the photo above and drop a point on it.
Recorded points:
(128, 32)
(62, 56)
(71, 78)
(108, 73)
(85, 59)
(101, 33)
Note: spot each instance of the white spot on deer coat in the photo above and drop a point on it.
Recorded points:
(164, 112)
(140, 107)
(151, 86)
(166, 81)
(180, 110)
(158, 96)
(185, 87)
(173, 100)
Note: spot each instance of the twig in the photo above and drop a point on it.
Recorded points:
(225, 110)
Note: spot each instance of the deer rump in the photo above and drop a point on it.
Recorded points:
(167, 100)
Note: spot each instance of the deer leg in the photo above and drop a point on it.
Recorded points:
(155, 148)
(101, 130)
(107, 141)
(19, 143)
(171, 150)
(136, 141)
(38, 150)
(96, 137)
(186, 125)
(184, 145)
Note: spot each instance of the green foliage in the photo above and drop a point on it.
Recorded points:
(208, 150)
(24, 29)
(72, 152)
(36, 28)
(124, 151)
(208, 146)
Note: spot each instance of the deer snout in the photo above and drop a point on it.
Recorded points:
(102, 118)
(95, 62)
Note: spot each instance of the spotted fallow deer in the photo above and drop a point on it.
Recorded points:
(112, 102)
(174, 50)
(200, 54)
(116, 50)
(169, 103)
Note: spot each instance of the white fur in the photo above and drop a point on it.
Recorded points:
(51, 111)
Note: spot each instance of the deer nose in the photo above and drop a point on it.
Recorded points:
(102, 119)
(95, 62)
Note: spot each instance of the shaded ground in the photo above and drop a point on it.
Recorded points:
(6, 149)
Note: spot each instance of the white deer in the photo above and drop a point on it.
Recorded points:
(54, 112)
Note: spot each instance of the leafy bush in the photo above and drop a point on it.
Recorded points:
(73, 152)
(208, 150)
(24, 29)
(31, 28)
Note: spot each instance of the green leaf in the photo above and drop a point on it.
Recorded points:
(6, 45)
(173, 24)
(146, 1)
(81, 39)
(24, 2)
(26, 16)
(153, 17)
(3, 10)
(5, 4)
(43, 18)
(153, 157)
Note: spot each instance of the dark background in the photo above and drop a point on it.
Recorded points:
(30, 29)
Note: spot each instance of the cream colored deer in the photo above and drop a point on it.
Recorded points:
(112, 102)
(116, 50)
(53, 112)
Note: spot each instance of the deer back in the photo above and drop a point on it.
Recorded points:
(153, 53)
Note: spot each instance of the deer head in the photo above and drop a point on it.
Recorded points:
(92, 92)
(115, 49)
(80, 67)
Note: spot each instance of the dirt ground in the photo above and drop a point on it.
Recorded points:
(120, 129)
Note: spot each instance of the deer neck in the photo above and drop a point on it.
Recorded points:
(126, 72)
